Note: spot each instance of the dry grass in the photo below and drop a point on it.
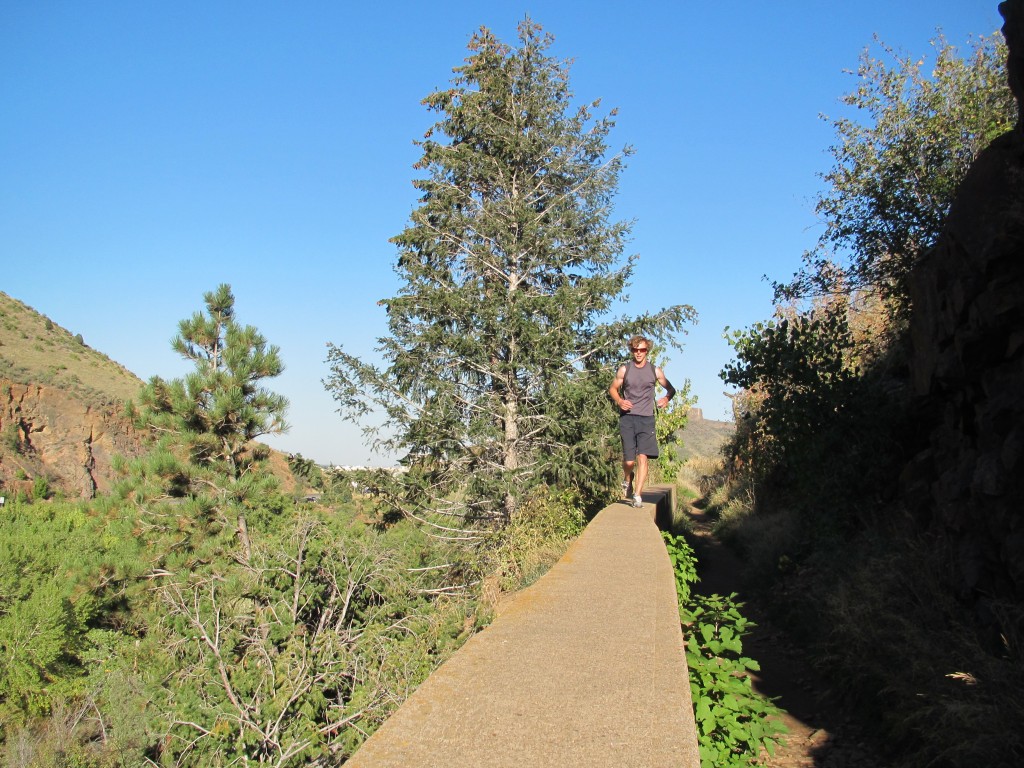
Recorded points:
(703, 473)
(35, 350)
(704, 438)
(946, 687)
(880, 620)
(528, 546)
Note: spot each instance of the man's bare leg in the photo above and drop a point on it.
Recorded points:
(627, 477)
(640, 476)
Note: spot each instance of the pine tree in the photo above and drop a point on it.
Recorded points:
(497, 356)
(211, 416)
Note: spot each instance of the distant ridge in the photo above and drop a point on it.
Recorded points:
(703, 437)
(35, 350)
(61, 407)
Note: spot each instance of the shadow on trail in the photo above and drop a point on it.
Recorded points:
(820, 736)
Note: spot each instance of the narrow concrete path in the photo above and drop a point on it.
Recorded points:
(584, 668)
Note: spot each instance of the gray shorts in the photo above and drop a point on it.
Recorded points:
(638, 436)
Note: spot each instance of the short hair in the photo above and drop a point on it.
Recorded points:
(637, 339)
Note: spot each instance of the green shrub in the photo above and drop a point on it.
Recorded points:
(536, 537)
(734, 722)
(684, 566)
(40, 489)
(12, 437)
(670, 422)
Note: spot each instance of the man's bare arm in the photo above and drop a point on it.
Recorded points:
(670, 391)
(615, 390)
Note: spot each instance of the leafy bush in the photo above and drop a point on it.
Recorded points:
(281, 649)
(897, 169)
(60, 569)
(40, 488)
(292, 638)
(670, 421)
(534, 540)
(12, 437)
(734, 723)
(822, 417)
(801, 368)
(684, 566)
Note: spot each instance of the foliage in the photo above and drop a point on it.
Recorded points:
(12, 437)
(206, 422)
(669, 424)
(821, 418)
(306, 469)
(287, 646)
(60, 567)
(801, 371)
(821, 378)
(292, 650)
(40, 488)
(684, 566)
(196, 616)
(824, 428)
(496, 358)
(534, 540)
(895, 172)
(734, 723)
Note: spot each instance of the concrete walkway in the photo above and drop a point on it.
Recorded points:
(584, 668)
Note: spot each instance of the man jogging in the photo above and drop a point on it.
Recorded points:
(633, 393)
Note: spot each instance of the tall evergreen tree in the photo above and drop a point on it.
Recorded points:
(497, 356)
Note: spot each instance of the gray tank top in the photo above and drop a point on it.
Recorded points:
(639, 388)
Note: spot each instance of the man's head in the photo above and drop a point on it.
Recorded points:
(639, 347)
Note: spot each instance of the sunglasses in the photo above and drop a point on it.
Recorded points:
(639, 349)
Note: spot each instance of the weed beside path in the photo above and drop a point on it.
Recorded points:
(820, 736)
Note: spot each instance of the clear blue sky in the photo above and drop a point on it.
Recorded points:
(150, 151)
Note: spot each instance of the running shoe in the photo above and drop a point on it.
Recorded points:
(638, 502)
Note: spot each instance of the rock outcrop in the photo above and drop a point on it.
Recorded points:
(967, 362)
(48, 433)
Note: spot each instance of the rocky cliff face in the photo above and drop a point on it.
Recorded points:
(49, 433)
(968, 362)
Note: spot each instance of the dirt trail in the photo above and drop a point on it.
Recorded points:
(819, 735)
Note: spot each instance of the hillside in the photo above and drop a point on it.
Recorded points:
(703, 437)
(61, 406)
(35, 350)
